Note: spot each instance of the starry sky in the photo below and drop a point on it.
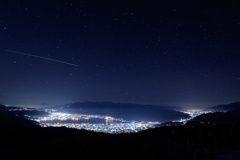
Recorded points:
(174, 53)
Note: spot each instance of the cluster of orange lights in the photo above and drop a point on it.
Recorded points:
(74, 119)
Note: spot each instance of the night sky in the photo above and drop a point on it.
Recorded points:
(174, 53)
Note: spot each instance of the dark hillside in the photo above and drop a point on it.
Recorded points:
(9, 118)
(226, 107)
(231, 117)
(168, 143)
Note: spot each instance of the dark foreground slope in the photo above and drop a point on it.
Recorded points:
(23, 139)
(185, 142)
(230, 117)
(11, 119)
(225, 107)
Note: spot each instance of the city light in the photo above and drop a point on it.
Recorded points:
(109, 124)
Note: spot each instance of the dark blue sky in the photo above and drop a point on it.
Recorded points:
(176, 53)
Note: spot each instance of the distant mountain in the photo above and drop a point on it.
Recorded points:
(227, 107)
(126, 111)
(109, 104)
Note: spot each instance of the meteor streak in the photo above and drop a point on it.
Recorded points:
(41, 57)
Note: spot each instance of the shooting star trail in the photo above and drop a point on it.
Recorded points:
(41, 57)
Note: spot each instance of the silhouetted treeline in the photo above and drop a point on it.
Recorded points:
(182, 142)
